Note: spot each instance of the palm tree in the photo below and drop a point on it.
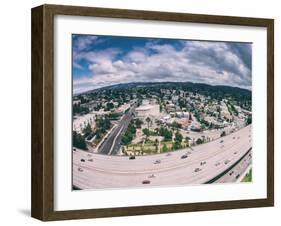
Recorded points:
(148, 120)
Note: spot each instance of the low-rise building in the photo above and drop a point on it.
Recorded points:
(184, 123)
(147, 110)
(80, 122)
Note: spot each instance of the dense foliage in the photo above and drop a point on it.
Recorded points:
(78, 141)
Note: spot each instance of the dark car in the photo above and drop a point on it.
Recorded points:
(183, 156)
(90, 160)
(221, 141)
(203, 163)
(197, 170)
(146, 182)
(82, 160)
(226, 161)
(157, 161)
(231, 173)
(132, 157)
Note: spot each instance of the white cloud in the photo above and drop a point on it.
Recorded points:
(206, 62)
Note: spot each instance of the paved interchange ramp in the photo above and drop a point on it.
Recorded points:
(202, 164)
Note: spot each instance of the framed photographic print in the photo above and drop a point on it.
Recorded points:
(141, 112)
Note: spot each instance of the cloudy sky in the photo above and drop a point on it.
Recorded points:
(100, 61)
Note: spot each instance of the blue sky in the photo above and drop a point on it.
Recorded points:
(100, 61)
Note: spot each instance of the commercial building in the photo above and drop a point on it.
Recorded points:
(80, 122)
(148, 110)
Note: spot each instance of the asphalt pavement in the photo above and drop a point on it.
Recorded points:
(203, 162)
(112, 143)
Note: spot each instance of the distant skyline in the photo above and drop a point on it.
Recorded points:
(100, 61)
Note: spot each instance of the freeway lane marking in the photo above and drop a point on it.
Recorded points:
(111, 149)
(228, 169)
(158, 170)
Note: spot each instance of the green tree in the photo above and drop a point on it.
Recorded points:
(249, 120)
(129, 135)
(176, 125)
(199, 141)
(78, 141)
(178, 137)
(165, 148)
(167, 134)
(146, 132)
(177, 145)
(87, 130)
(148, 120)
(109, 106)
(138, 123)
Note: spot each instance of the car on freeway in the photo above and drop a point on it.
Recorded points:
(217, 164)
(151, 176)
(80, 169)
(89, 155)
(203, 163)
(74, 149)
(188, 153)
(90, 160)
(82, 160)
(183, 156)
(233, 137)
(158, 161)
(146, 182)
(197, 170)
(221, 141)
(226, 161)
(231, 173)
(132, 157)
(235, 153)
(237, 176)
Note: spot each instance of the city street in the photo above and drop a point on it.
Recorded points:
(111, 144)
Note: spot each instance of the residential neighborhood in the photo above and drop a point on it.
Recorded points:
(159, 117)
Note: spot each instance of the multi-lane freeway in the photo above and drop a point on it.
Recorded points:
(111, 144)
(201, 164)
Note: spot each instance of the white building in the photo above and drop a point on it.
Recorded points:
(148, 110)
(76, 101)
(80, 122)
(182, 114)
